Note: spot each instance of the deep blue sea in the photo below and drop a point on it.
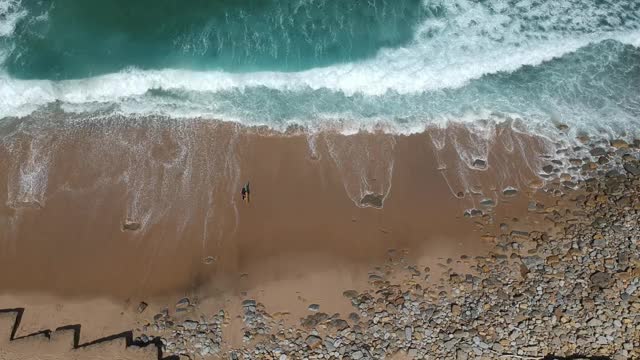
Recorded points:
(355, 64)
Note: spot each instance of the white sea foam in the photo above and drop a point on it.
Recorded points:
(400, 71)
(11, 11)
(471, 41)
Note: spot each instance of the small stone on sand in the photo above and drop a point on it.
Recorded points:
(510, 192)
(374, 200)
(141, 307)
(131, 226)
(183, 302)
(480, 164)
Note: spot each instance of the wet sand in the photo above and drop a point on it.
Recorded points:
(305, 236)
(181, 184)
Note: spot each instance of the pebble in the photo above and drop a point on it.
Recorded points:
(313, 341)
(541, 293)
(142, 307)
(183, 302)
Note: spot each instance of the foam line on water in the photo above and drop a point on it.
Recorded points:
(387, 72)
(388, 91)
(399, 70)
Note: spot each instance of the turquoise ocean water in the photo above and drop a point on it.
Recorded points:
(353, 64)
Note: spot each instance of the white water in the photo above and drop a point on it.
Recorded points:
(471, 41)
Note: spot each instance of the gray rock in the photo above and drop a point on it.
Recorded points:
(190, 324)
(595, 322)
(449, 345)
(354, 317)
(532, 261)
(461, 355)
(248, 303)
(598, 151)
(408, 333)
(632, 169)
(338, 324)
(314, 307)
(350, 294)
(601, 280)
(313, 341)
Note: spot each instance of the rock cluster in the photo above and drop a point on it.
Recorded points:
(570, 288)
(201, 337)
(256, 319)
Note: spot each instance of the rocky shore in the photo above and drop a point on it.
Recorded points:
(565, 283)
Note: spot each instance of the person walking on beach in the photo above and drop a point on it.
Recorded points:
(246, 193)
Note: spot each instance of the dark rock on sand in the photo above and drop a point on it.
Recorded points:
(473, 212)
(131, 226)
(184, 310)
(190, 324)
(354, 317)
(487, 202)
(480, 164)
(374, 200)
(312, 321)
(183, 302)
(338, 324)
(510, 192)
(548, 169)
(248, 302)
(350, 294)
(142, 306)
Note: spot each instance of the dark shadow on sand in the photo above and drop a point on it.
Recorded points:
(76, 328)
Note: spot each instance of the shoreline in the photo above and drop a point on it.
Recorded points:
(275, 251)
(158, 196)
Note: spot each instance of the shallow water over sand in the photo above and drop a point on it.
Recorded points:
(158, 197)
